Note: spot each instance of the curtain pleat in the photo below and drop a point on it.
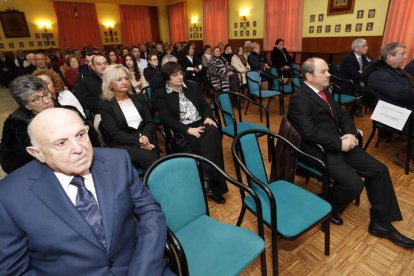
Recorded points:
(215, 24)
(177, 16)
(135, 25)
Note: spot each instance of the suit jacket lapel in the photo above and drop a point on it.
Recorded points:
(104, 187)
(48, 189)
(317, 99)
(118, 112)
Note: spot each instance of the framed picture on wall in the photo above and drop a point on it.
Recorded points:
(21, 44)
(31, 44)
(14, 24)
(360, 14)
(337, 28)
(248, 24)
(358, 27)
(241, 33)
(53, 43)
(46, 43)
(201, 35)
(241, 24)
(247, 32)
(327, 28)
(105, 33)
(370, 26)
(320, 17)
(116, 39)
(340, 7)
(37, 35)
(235, 33)
(39, 43)
(115, 33)
(201, 29)
(371, 13)
(235, 25)
(348, 27)
(254, 24)
(312, 18)
(106, 40)
(311, 29)
(254, 33)
(11, 45)
(191, 36)
(44, 35)
(1, 46)
(319, 29)
(50, 35)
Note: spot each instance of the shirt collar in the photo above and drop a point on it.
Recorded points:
(170, 90)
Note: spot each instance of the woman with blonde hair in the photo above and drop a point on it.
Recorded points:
(126, 118)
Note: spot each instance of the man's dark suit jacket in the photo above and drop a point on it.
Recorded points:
(350, 66)
(42, 233)
(169, 108)
(119, 134)
(88, 91)
(312, 118)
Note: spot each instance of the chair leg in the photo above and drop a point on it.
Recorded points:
(263, 265)
(326, 227)
(247, 107)
(281, 105)
(241, 216)
(275, 253)
(408, 157)
(261, 117)
(370, 138)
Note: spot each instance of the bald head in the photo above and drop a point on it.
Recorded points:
(60, 139)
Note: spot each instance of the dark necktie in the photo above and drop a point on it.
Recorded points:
(325, 99)
(88, 207)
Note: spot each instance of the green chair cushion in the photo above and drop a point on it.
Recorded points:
(266, 93)
(241, 126)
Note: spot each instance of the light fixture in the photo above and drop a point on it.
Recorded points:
(243, 17)
(110, 25)
(46, 27)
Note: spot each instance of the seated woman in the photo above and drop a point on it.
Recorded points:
(185, 112)
(137, 79)
(126, 118)
(113, 57)
(60, 95)
(72, 63)
(152, 68)
(239, 62)
(32, 96)
(191, 64)
(221, 73)
(281, 59)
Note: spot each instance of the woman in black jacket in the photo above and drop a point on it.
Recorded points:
(183, 110)
(126, 118)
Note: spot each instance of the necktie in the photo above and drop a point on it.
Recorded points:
(88, 208)
(325, 99)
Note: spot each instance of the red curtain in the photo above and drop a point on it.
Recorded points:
(177, 15)
(399, 25)
(283, 19)
(135, 24)
(75, 32)
(215, 24)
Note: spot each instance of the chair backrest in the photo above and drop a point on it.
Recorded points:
(176, 184)
(225, 104)
(149, 93)
(253, 159)
(254, 85)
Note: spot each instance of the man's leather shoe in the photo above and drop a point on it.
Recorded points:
(390, 234)
(217, 198)
(336, 218)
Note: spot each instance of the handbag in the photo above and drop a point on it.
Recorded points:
(179, 143)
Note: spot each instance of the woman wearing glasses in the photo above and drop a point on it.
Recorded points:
(186, 113)
(32, 96)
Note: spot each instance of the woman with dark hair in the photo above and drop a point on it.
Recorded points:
(222, 75)
(72, 63)
(281, 59)
(228, 53)
(32, 96)
(126, 118)
(113, 57)
(137, 80)
(190, 63)
(205, 58)
(239, 62)
(186, 113)
(152, 68)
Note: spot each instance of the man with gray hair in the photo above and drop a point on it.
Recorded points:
(392, 84)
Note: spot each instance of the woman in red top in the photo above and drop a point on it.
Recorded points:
(72, 62)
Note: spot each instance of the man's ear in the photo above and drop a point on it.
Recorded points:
(36, 153)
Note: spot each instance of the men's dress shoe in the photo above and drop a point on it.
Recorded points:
(336, 218)
(391, 234)
(217, 198)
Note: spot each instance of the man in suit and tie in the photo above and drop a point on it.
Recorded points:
(77, 210)
(320, 120)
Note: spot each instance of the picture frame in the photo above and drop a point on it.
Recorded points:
(235, 33)
(319, 29)
(312, 18)
(340, 7)
(201, 35)
(39, 43)
(327, 28)
(44, 36)
(1, 46)
(337, 28)
(116, 39)
(241, 24)
(14, 24)
(370, 26)
(37, 35)
(247, 32)
(46, 43)
(53, 43)
(191, 36)
(371, 13)
(115, 33)
(107, 40)
(50, 35)
(105, 33)
(21, 44)
(235, 25)
(11, 45)
(247, 24)
(200, 28)
(311, 29)
(358, 27)
(348, 27)
(31, 44)
(241, 33)
(254, 24)
(360, 14)
(254, 33)
(320, 17)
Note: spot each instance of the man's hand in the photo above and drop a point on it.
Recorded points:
(195, 131)
(349, 142)
(209, 121)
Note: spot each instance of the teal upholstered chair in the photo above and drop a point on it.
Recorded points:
(147, 91)
(205, 246)
(254, 85)
(287, 209)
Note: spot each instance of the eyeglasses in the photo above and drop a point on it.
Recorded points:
(41, 99)
(177, 75)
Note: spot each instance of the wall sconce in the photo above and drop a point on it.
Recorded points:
(243, 17)
(195, 30)
(110, 26)
(46, 27)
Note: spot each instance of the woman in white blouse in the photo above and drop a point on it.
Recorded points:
(240, 63)
(126, 118)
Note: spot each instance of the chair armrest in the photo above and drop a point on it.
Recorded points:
(174, 251)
